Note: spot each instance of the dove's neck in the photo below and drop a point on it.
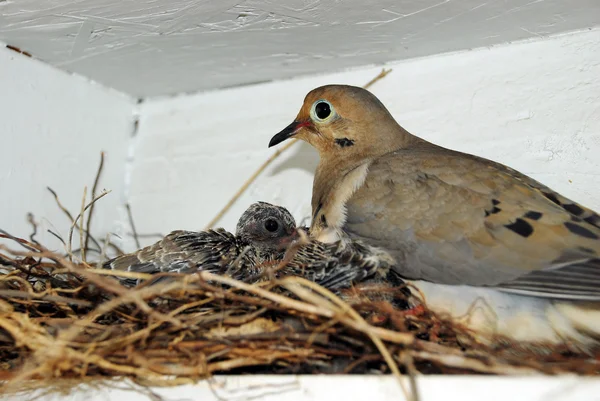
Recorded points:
(341, 173)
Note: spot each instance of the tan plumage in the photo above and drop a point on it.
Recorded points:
(472, 225)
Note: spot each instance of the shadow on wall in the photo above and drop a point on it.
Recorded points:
(302, 156)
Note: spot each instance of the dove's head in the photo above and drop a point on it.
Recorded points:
(347, 121)
(267, 227)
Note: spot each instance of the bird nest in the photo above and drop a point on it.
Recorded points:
(62, 319)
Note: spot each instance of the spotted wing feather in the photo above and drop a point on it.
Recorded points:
(454, 218)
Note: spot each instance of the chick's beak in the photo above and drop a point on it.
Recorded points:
(288, 132)
(286, 241)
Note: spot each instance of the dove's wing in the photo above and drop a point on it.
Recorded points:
(454, 218)
(181, 251)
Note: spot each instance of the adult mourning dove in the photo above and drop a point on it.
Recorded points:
(263, 233)
(484, 243)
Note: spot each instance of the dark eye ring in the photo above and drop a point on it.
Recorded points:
(322, 110)
(271, 225)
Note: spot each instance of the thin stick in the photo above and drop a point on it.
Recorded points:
(133, 230)
(57, 236)
(69, 215)
(381, 75)
(280, 299)
(270, 160)
(24, 243)
(91, 212)
(462, 362)
(70, 241)
(42, 297)
(60, 205)
(34, 225)
(412, 375)
(249, 181)
(82, 214)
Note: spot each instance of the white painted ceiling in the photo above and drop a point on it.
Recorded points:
(164, 47)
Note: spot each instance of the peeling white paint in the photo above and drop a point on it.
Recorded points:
(163, 47)
(534, 106)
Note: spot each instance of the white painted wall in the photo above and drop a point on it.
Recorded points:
(53, 126)
(534, 106)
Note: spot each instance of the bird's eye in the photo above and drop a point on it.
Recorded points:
(322, 110)
(271, 225)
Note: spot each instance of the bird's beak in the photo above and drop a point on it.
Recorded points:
(285, 242)
(288, 132)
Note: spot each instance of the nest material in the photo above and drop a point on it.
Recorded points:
(60, 319)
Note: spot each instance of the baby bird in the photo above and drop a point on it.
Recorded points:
(485, 244)
(263, 233)
(339, 264)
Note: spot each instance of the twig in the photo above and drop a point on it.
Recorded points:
(43, 297)
(133, 230)
(91, 212)
(34, 225)
(57, 236)
(462, 362)
(60, 205)
(408, 361)
(74, 223)
(263, 166)
(81, 221)
(70, 216)
(124, 274)
(249, 181)
(280, 299)
(24, 243)
(381, 75)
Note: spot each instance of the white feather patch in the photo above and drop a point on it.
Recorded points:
(491, 313)
(336, 210)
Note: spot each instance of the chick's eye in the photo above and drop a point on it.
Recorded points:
(271, 225)
(322, 110)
